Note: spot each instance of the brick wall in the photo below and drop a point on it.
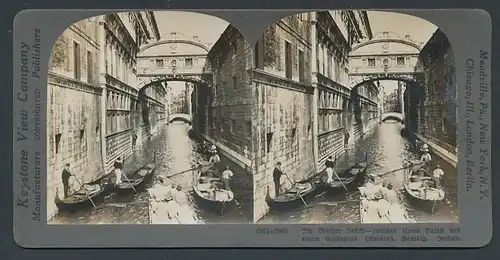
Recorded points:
(230, 109)
(73, 106)
(438, 111)
(283, 107)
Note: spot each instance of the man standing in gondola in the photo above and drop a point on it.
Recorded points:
(215, 158)
(329, 169)
(426, 158)
(66, 174)
(437, 174)
(277, 173)
(226, 178)
(118, 165)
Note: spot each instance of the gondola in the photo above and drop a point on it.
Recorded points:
(209, 190)
(419, 188)
(381, 211)
(375, 209)
(353, 174)
(88, 195)
(298, 195)
(133, 181)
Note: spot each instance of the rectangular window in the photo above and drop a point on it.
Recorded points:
(188, 62)
(233, 125)
(90, 68)
(301, 66)
(401, 61)
(235, 82)
(76, 60)
(371, 62)
(249, 128)
(159, 63)
(269, 139)
(57, 143)
(288, 60)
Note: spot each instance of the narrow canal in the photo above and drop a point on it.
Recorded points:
(386, 151)
(173, 152)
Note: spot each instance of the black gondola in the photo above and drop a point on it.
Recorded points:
(343, 180)
(209, 191)
(88, 195)
(298, 195)
(419, 188)
(133, 181)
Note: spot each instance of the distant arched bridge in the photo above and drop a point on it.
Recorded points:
(400, 117)
(180, 117)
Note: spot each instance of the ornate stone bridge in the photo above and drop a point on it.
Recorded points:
(400, 117)
(180, 117)
(387, 56)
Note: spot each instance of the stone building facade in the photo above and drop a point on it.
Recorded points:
(93, 101)
(229, 108)
(437, 113)
(74, 122)
(335, 32)
(283, 113)
(129, 110)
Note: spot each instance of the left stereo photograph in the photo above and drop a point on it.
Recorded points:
(130, 122)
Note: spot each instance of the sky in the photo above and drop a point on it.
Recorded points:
(207, 28)
(401, 24)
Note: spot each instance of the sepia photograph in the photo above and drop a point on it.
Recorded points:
(137, 132)
(169, 117)
(355, 119)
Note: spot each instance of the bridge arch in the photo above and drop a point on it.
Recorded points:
(199, 81)
(393, 116)
(180, 117)
(358, 81)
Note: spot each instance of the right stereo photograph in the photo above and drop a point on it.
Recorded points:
(354, 120)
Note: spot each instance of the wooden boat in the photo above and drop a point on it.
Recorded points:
(87, 195)
(169, 212)
(353, 174)
(374, 209)
(298, 195)
(209, 190)
(134, 180)
(421, 189)
(381, 211)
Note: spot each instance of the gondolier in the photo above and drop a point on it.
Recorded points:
(215, 158)
(226, 178)
(277, 173)
(346, 139)
(66, 175)
(437, 175)
(329, 169)
(118, 165)
(426, 158)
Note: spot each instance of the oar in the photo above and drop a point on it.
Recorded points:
(399, 169)
(126, 178)
(86, 193)
(174, 174)
(336, 175)
(298, 192)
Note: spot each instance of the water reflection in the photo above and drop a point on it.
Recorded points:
(386, 151)
(174, 152)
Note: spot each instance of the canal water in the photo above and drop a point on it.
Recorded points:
(173, 152)
(386, 150)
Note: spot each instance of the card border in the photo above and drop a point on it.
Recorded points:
(476, 230)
